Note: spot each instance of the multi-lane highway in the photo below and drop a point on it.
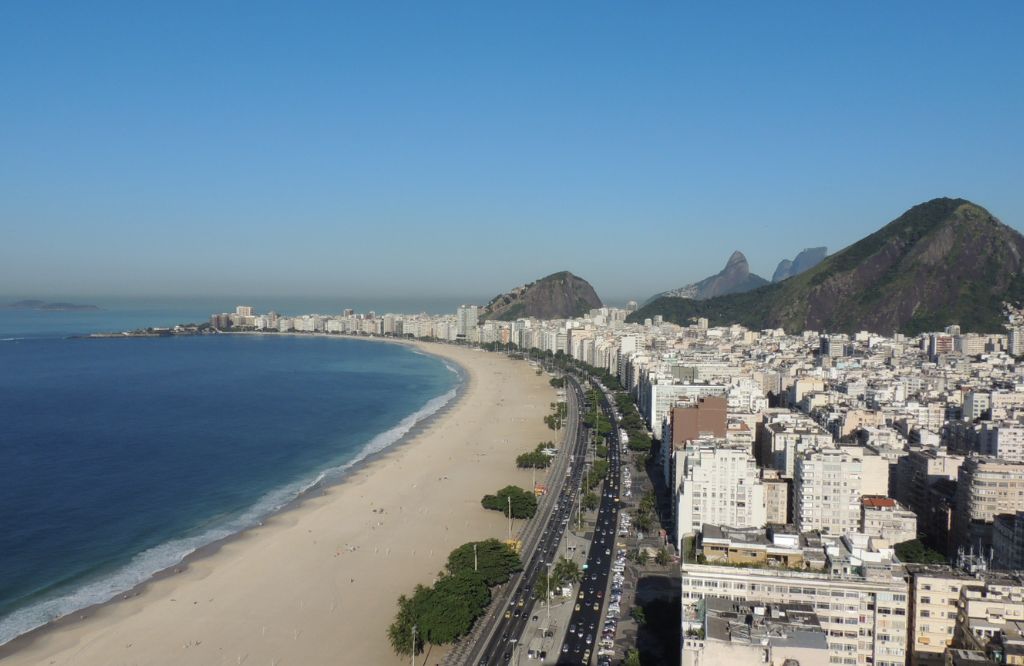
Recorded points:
(503, 633)
(585, 625)
(499, 638)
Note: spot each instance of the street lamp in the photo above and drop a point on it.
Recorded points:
(548, 595)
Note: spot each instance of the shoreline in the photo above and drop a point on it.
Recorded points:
(37, 639)
(317, 487)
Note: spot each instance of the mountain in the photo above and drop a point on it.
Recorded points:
(735, 278)
(557, 296)
(946, 261)
(808, 258)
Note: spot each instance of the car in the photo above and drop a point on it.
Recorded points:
(565, 648)
(534, 618)
(597, 606)
(580, 595)
(590, 639)
(508, 614)
(572, 628)
(586, 655)
(517, 613)
(577, 606)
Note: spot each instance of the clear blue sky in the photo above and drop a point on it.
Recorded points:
(407, 149)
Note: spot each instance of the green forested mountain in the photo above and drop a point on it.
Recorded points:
(945, 261)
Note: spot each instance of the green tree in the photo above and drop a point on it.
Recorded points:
(533, 460)
(447, 611)
(638, 614)
(567, 571)
(495, 561)
(632, 658)
(544, 586)
(590, 502)
(916, 552)
(524, 504)
(662, 558)
(400, 631)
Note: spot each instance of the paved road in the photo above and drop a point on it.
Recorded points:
(499, 638)
(586, 622)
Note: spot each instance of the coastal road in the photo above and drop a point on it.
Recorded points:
(586, 622)
(496, 636)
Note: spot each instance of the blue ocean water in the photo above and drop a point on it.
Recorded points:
(120, 456)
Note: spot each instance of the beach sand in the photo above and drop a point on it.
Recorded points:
(317, 584)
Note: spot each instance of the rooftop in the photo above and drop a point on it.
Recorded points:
(778, 625)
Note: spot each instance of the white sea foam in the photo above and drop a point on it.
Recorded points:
(147, 563)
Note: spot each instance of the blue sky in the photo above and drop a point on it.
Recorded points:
(458, 149)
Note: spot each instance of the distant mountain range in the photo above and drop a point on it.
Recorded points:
(946, 261)
(735, 278)
(807, 259)
(557, 296)
(43, 305)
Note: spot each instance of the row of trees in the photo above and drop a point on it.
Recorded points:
(631, 421)
(523, 504)
(446, 611)
(555, 420)
(646, 515)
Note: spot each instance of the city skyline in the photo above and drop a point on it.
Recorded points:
(393, 152)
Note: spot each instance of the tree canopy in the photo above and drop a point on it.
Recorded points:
(496, 562)
(524, 503)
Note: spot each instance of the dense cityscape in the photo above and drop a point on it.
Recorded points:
(831, 499)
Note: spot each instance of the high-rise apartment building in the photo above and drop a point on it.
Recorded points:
(827, 491)
(717, 483)
(467, 319)
(986, 487)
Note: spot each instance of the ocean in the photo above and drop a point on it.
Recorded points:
(118, 457)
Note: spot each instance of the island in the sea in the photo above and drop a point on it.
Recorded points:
(50, 307)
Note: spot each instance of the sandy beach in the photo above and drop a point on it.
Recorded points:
(317, 584)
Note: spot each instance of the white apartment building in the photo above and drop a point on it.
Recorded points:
(862, 605)
(827, 491)
(467, 319)
(660, 398)
(719, 484)
(1004, 439)
(887, 519)
(786, 437)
